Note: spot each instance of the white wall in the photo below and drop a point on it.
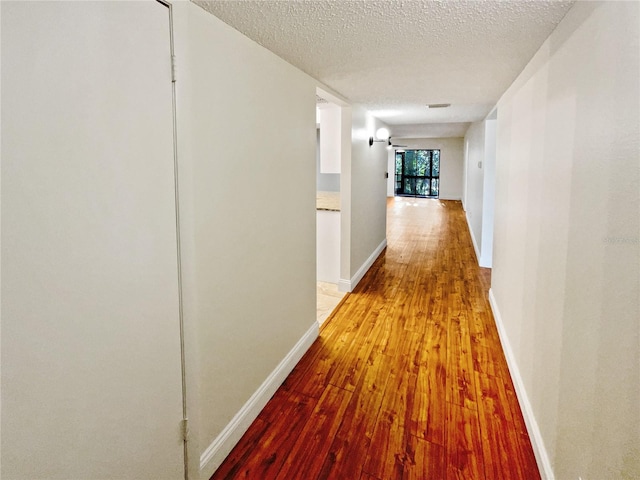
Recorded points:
(391, 170)
(91, 377)
(488, 192)
(344, 283)
(565, 283)
(325, 182)
(366, 216)
(330, 135)
(474, 163)
(248, 187)
(451, 163)
(479, 181)
(328, 246)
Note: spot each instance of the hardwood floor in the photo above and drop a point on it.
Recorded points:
(407, 380)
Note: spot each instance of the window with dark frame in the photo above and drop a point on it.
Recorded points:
(418, 173)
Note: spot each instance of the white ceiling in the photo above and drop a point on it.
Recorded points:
(396, 56)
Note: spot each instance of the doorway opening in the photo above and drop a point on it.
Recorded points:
(330, 150)
(418, 173)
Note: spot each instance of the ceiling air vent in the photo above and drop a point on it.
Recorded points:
(438, 105)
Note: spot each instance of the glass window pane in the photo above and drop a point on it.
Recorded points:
(417, 173)
(409, 162)
(436, 163)
(410, 186)
(423, 187)
(422, 162)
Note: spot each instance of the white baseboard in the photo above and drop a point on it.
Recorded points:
(542, 457)
(445, 197)
(344, 285)
(473, 239)
(482, 261)
(215, 454)
(349, 285)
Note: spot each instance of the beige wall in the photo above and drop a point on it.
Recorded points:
(479, 186)
(248, 161)
(566, 274)
(367, 217)
(91, 377)
(474, 181)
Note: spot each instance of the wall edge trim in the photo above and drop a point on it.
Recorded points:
(542, 457)
(217, 451)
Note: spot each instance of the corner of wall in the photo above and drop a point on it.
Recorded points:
(345, 285)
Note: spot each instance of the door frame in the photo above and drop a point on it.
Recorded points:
(185, 418)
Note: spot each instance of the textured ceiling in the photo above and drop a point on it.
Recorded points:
(396, 56)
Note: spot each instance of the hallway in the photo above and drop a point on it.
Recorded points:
(407, 380)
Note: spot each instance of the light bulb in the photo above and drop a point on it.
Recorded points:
(382, 134)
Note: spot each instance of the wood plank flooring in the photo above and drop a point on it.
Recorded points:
(407, 380)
